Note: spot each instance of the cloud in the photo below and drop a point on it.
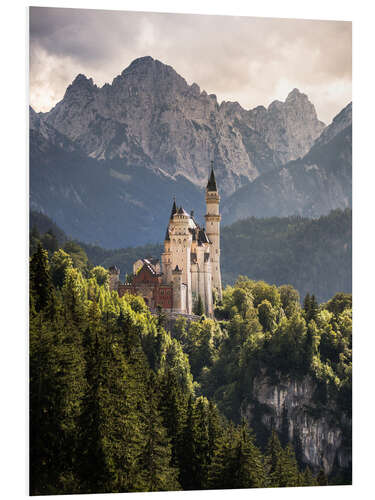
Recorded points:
(249, 60)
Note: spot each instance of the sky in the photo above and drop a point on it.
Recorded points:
(250, 60)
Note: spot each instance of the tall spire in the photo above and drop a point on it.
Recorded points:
(211, 185)
(174, 207)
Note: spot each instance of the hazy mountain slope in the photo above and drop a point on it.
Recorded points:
(106, 202)
(312, 255)
(311, 186)
(315, 256)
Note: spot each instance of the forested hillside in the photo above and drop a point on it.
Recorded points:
(313, 255)
(118, 404)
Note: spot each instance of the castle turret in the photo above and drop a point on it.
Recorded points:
(166, 262)
(114, 278)
(213, 218)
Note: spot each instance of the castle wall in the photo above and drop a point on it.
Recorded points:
(179, 302)
(208, 287)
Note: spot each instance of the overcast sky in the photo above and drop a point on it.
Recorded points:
(250, 60)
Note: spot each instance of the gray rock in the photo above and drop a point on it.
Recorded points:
(150, 116)
(322, 439)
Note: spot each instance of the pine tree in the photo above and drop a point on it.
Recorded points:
(57, 385)
(313, 308)
(307, 305)
(173, 406)
(308, 479)
(286, 473)
(122, 404)
(40, 282)
(202, 445)
(93, 472)
(215, 428)
(223, 466)
(157, 472)
(250, 472)
(322, 478)
(187, 461)
(273, 454)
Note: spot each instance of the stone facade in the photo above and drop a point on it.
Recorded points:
(190, 263)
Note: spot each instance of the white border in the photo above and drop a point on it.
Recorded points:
(14, 228)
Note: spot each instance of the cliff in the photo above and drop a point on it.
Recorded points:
(290, 405)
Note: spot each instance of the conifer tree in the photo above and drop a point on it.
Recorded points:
(173, 406)
(187, 461)
(307, 478)
(322, 478)
(60, 262)
(313, 308)
(307, 305)
(215, 428)
(93, 472)
(123, 428)
(40, 281)
(157, 472)
(273, 455)
(222, 469)
(250, 471)
(202, 445)
(286, 473)
(57, 385)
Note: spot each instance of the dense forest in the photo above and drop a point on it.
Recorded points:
(313, 255)
(117, 403)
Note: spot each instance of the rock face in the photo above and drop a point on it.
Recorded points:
(289, 128)
(323, 440)
(150, 116)
(90, 155)
(311, 186)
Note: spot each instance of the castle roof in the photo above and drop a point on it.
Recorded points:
(174, 208)
(181, 211)
(167, 238)
(211, 184)
(202, 237)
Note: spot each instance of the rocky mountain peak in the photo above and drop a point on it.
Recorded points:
(290, 127)
(80, 86)
(295, 94)
(340, 122)
(149, 115)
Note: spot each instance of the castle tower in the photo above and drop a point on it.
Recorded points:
(166, 262)
(213, 218)
(114, 278)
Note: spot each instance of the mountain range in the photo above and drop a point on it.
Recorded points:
(106, 161)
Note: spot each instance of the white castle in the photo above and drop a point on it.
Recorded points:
(190, 263)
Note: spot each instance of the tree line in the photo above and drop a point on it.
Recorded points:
(117, 403)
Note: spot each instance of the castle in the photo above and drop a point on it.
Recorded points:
(189, 272)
